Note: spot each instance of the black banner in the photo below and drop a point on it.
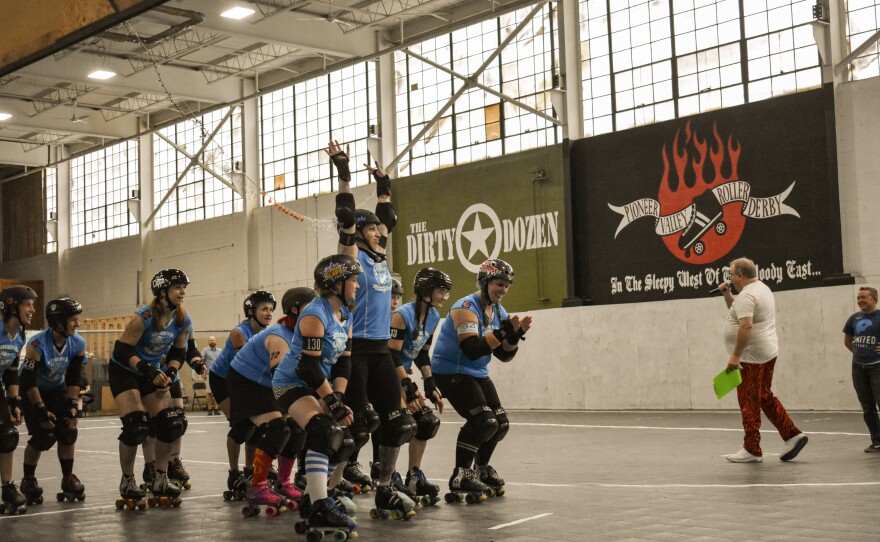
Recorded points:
(659, 211)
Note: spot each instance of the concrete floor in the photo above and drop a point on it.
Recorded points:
(570, 476)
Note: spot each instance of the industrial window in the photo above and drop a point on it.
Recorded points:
(297, 122)
(648, 61)
(479, 124)
(200, 194)
(50, 194)
(862, 21)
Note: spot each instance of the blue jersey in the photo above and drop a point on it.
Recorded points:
(53, 363)
(10, 348)
(252, 361)
(413, 345)
(372, 313)
(864, 330)
(221, 364)
(155, 344)
(448, 357)
(333, 345)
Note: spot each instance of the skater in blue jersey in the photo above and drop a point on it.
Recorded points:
(141, 389)
(17, 307)
(258, 306)
(478, 328)
(50, 378)
(374, 382)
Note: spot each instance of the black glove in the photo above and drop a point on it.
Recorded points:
(410, 389)
(513, 335)
(500, 333)
(431, 388)
(148, 370)
(198, 367)
(42, 413)
(336, 406)
(340, 161)
(74, 408)
(345, 216)
(171, 372)
(14, 401)
(383, 184)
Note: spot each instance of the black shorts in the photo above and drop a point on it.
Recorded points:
(218, 387)
(122, 380)
(56, 401)
(292, 394)
(466, 393)
(176, 390)
(247, 398)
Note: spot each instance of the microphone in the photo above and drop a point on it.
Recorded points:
(718, 288)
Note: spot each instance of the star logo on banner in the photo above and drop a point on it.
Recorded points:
(478, 236)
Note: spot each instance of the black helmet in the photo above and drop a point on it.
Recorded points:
(362, 217)
(396, 287)
(296, 298)
(494, 269)
(429, 279)
(14, 295)
(255, 298)
(59, 310)
(335, 268)
(167, 278)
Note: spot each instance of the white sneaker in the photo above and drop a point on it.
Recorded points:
(793, 446)
(744, 456)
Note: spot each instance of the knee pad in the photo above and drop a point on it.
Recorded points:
(482, 425)
(42, 441)
(503, 424)
(185, 421)
(296, 440)
(427, 424)
(323, 435)
(371, 418)
(242, 432)
(273, 436)
(8, 438)
(359, 431)
(135, 428)
(397, 429)
(346, 448)
(65, 434)
(168, 425)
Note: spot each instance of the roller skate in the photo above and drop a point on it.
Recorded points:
(13, 501)
(31, 489)
(398, 485)
(237, 484)
(165, 492)
(178, 474)
(71, 489)
(488, 476)
(131, 496)
(347, 488)
(343, 500)
(425, 493)
(260, 494)
(356, 476)
(393, 504)
(288, 492)
(375, 473)
(325, 516)
(149, 476)
(464, 486)
(272, 475)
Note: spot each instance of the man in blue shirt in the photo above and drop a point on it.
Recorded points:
(860, 336)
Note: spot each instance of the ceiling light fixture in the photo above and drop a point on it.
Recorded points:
(5, 116)
(102, 74)
(237, 13)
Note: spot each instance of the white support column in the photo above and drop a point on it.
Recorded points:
(145, 187)
(251, 197)
(570, 75)
(837, 35)
(387, 102)
(62, 191)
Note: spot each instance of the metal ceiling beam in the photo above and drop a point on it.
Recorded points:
(201, 164)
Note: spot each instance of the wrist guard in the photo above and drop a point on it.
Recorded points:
(148, 370)
(409, 389)
(336, 406)
(340, 162)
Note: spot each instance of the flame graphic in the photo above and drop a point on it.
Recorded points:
(693, 166)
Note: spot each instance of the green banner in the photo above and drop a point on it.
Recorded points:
(510, 208)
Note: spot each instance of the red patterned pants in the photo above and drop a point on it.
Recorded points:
(754, 396)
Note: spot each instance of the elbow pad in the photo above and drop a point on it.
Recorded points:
(10, 378)
(423, 359)
(345, 199)
(176, 354)
(385, 212)
(309, 370)
(192, 351)
(342, 368)
(122, 352)
(74, 371)
(504, 355)
(395, 356)
(28, 377)
(475, 347)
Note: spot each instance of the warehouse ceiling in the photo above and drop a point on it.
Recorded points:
(183, 57)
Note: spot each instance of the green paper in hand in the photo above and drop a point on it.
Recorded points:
(726, 381)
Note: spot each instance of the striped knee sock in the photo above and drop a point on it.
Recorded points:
(316, 475)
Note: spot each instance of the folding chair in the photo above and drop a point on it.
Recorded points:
(198, 397)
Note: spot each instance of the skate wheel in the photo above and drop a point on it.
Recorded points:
(355, 489)
(187, 485)
(499, 492)
(340, 536)
(424, 501)
(250, 511)
(450, 498)
(374, 514)
(60, 497)
(471, 499)
(314, 536)
(271, 511)
(176, 502)
(227, 495)
(120, 504)
(38, 500)
(152, 502)
(292, 505)
(396, 515)
(299, 527)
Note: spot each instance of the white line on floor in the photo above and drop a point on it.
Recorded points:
(736, 486)
(30, 514)
(503, 525)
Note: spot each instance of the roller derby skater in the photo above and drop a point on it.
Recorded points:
(374, 380)
(50, 378)
(478, 328)
(131, 497)
(17, 307)
(141, 389)
(310, 384)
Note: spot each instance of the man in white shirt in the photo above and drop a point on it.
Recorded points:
(750, 337)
